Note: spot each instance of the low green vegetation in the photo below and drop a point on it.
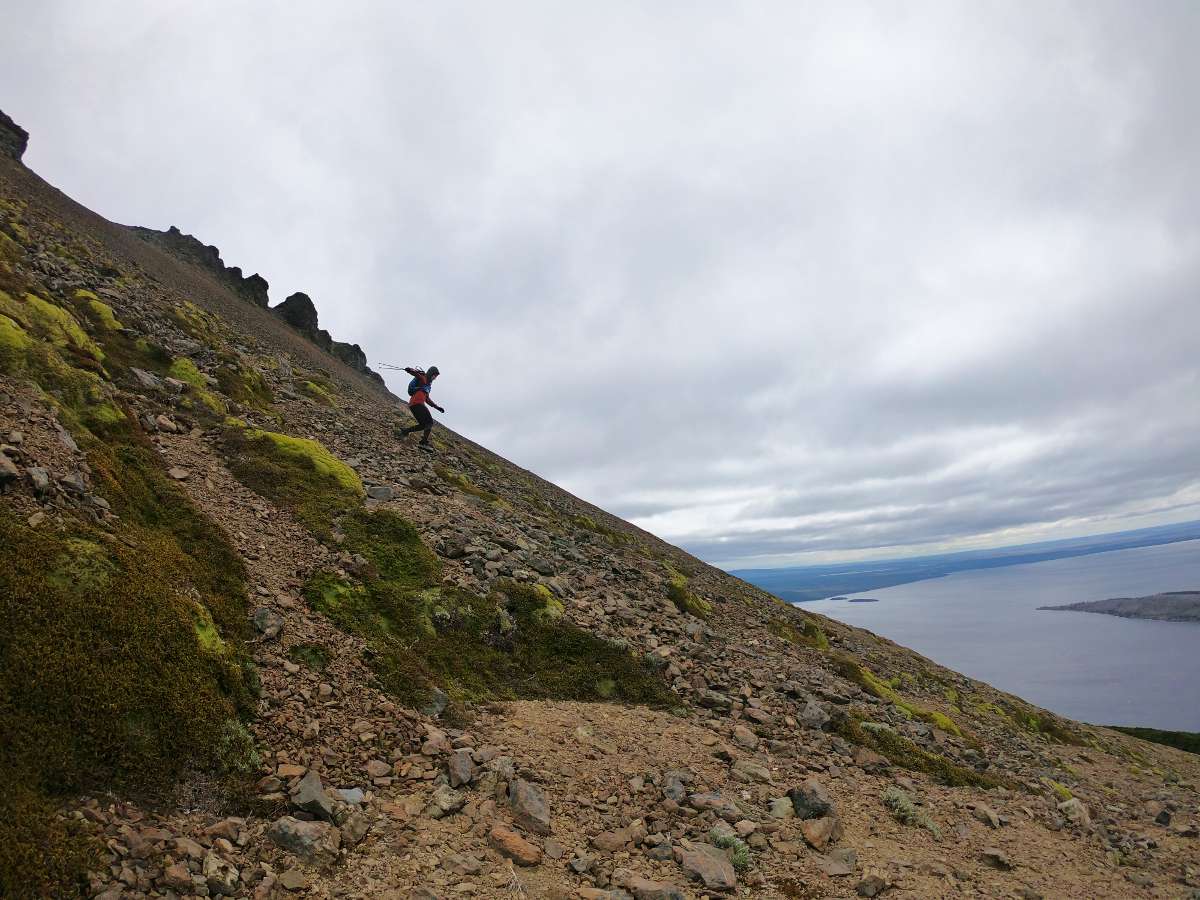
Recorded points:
(809, 634)
(512, 643)
(1188, 741)
(318, 393)
(685, 600)
(299, 474)
(464, 484)
(121, 662)
(849, 668)
(245, 386)
(612, 535)
(739, 854)
(312, 656)
(902, 752)
(906, 812)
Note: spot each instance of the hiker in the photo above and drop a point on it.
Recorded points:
(418, 398)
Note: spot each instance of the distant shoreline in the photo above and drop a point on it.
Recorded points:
(1173, 606)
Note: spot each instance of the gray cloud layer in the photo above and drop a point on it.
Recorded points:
(779, 282)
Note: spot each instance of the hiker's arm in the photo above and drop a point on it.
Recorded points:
(411, 371)
(440, 409)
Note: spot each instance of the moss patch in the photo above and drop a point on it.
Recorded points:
(51, 323)
(850, 669)
(317, 392)
(99, 312)
(464, 484)
(684, 598)
(300, 474)
(312, 656)
(809, 634)
(512, 643)
(105, 680)
(902, 752)
(245, 386)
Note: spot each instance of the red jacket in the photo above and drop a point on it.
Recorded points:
(421, 394)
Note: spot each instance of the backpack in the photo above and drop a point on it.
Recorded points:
(419, 383)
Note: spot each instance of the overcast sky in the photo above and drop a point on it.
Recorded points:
(781, 283)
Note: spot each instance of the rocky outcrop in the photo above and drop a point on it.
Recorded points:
(13, 138)
(252, 288)
(300, 312)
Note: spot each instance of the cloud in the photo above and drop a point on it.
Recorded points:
(778, 282)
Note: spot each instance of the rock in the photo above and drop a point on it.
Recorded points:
(292, 880)
(709, 864)
(744, 737)
(1076, 812)
(179, 474)
(782, 808)
(355, 828)
(220, 876)
(528, 805)
(268, 622)
(309, 795)
(380, 492)
(724, 808)
(8, 470)
(461, 768)
(39, 479)
(13, 138)
(645, 889)
(177, 877)
(996, 858)
(869, 760)
(813, 715)
(986, 815)
(445, 802)
(810, 800)
(462, 864)
(872, 885)
(437, 704)
(748, 770)
(674, 785)
(377, 768)
(147, 380)
(421, 892)
(314, 842)
(510, 844)
(821, 832)
(839, 862)
(353, 796)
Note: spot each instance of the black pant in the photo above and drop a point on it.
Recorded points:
(424, 421)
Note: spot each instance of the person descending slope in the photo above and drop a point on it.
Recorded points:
(418, 399)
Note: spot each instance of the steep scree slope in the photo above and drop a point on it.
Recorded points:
(254, 644)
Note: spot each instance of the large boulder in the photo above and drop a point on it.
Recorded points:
(300, 312)
(313, 842)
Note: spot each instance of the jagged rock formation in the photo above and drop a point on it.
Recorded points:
(252, 643)
(251, 287)
(13, 138)
(300, 312)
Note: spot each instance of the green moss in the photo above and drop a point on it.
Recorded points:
(1061, 791)
(902, 752)
(684, 599)
(297, 473)
(317, 392)
(313, 656)
(739, 854)
(810, 634)
(103, 684)
(14, 346)
(850, 669)
(99, 312)
(245, 386)
(512, 643)
(51, 323)
(183, 369)
(464, 484)
(617, 538)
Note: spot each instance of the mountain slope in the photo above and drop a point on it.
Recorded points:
(254, 643)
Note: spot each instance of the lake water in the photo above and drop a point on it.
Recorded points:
(1093, 668)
